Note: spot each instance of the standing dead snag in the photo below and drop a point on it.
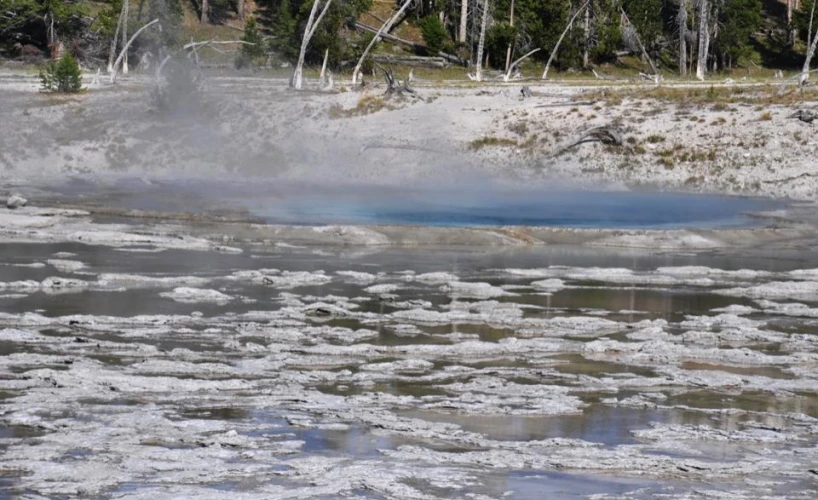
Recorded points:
(125, 8)
(559, 40)
(309, 30)
(205, 12)
(629, 24)
(590, 35)
(464, 21)
(511, 42)
(386, 26)
(114, 40)
(513, 66)
(127, 46)
(322, 76)
(681, 22)
(804, 77)
(704, 39)
(478, 73)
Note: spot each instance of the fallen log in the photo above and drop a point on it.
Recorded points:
(417, 61)
(563, 104)
(414, 45)
(611, 136)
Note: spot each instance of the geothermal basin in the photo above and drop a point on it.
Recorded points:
(139, 361)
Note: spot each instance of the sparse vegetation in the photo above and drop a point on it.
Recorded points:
(62, 76)
(655, 138)
(367, 105)
(491, 141)
(520, 128)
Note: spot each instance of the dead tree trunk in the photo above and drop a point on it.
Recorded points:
(514, 64)
(464, 21)
(309, 30)
(51, 36)
(681, 22)
(478, 74)
(240, 4)
(384, 27)
(704, 39)
(511, 43)
(714, 36)
(324, 68)
(193, 48)
(127, 46)
(114, 40)
(809, 31)
(804, 78)
(639, 41)
(559, 40)
(205, 12)
(395, 86)
(586, 49)
(125, 8)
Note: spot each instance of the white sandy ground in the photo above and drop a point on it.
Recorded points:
(118, 414)
(246, 127)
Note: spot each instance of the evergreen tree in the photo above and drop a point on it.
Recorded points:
(43, 23)
(283, 29)
(434, 34)
(252, 52)
(62, 76)
(738, 20)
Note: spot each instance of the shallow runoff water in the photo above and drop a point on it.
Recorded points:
(559, 372)
(472, 204)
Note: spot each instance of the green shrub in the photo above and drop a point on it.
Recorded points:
(62, 76)
(498, 38)
(434, 33)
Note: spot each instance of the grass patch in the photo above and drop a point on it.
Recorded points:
(520, 128)
(367, 105)
(656, 138)
(718, 98)
(490, 141)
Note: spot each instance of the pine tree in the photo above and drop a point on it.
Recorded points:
(252, 52)
(64, 76)
(283, 28)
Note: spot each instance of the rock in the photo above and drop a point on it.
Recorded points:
(805, 115)
(16, 201)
